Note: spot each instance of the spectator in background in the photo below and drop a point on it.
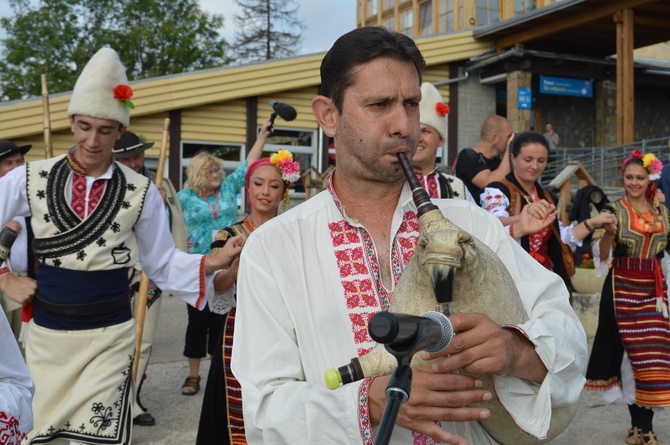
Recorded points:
(209, 203)
(488, 161)
(433, 115)
(552, 140)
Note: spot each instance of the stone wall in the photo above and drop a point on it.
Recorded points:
(605, 122)
(580, 122)
(652, 113)
(573, 118)
(476, 102)
(520, 119)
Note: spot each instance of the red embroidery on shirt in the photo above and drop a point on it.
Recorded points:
(78, 203)
(420, 439)
(360, 275)
(79, 194)
(10, 434)
(430, 184)
(97, 190)
(202, 282)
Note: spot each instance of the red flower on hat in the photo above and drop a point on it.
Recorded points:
(442, 109)
(123, 93)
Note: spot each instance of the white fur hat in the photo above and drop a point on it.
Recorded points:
(102, 90)
(433, 110)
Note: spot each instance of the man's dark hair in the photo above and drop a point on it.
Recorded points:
(526, 138)
(358, 47)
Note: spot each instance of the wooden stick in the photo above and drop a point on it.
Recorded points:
(143, 293)
(48, 150)
(163, 153)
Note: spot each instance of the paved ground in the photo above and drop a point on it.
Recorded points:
(177, 415)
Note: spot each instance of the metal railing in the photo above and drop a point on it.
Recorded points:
(604, 163)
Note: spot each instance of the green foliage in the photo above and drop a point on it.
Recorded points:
(58, 37)
(267, 29)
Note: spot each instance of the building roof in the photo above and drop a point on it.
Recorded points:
(186, 90)
(584, 27)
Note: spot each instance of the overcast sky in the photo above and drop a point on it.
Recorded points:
(325, 20)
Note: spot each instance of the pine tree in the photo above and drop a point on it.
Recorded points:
(267, 29)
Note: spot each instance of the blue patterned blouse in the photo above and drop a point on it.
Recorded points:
(199, 214)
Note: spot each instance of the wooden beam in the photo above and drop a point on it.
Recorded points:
(546, 29)
(628, 79)
(651, 22)
(625, 77)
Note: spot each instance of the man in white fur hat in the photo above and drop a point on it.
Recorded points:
(93, 219)
(433, 117)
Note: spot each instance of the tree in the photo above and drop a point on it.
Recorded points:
(267, 29)
(58, 37)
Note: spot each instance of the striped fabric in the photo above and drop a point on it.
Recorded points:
(234, 414)
(233, 389)
(644, 331)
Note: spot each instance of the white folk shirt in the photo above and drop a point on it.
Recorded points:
(16, 390)
(300, 301)
(171, 269)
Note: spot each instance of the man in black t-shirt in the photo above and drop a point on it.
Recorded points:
(488, 161)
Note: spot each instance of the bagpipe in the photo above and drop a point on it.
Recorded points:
(451, 271)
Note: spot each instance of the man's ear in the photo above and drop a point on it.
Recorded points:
(326, 114)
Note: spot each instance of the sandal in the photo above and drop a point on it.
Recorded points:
(191, 386)
(650, 439)
(634, 436)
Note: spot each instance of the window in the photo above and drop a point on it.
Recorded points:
(389, 23)
(426, 18)
(372, 7)
(388, 4)
(524, 6)
(302, 143)
(406, 22)
(446, 15)
(488, 12)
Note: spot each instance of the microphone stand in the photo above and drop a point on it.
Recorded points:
(397, 391)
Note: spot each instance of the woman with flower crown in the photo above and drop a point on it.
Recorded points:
(631, 350)
(209, 203)
(267, 182)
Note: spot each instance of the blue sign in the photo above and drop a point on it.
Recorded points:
(524, 98)
(563, 86)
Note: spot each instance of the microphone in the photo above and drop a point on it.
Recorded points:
(431, 332)
(7, 238)
(285, 111)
